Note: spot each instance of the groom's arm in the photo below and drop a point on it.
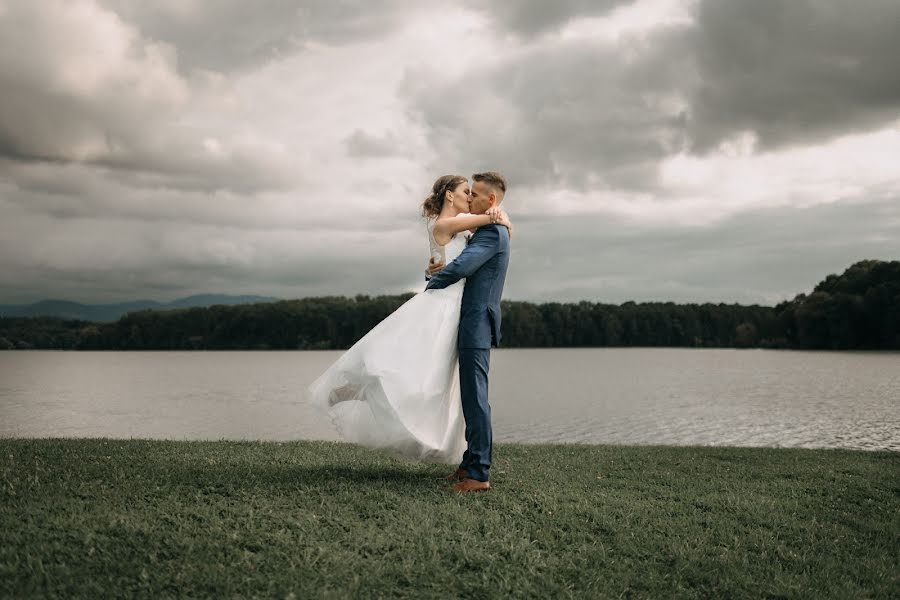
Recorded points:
(480, 250)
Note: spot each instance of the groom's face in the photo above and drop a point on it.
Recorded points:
(482, 198)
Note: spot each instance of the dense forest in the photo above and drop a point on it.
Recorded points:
(859, 309)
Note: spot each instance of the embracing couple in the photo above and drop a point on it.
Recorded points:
(416, 386)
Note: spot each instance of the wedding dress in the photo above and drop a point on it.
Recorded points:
(397, 389)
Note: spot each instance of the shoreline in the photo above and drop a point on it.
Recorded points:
(530, 445)
(495, 349)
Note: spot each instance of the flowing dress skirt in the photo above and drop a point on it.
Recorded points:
(397, 389)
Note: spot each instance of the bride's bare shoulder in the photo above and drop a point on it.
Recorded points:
(443, 229)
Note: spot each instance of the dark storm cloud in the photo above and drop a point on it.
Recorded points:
(588, 112)
(78, 193)
(562, 113)
(112, 257)
(81, 86)
(137, 160)
(758, 256)
(528, 17)
(794, 71)
(235, 34)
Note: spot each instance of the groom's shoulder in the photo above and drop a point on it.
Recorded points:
(487, 233)
(490, 229)
(498, 232)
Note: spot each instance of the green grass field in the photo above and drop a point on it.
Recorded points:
(92, 518)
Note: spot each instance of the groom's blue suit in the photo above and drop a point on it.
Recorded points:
(483, 264)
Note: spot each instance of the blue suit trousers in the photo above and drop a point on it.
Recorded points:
(474, 364)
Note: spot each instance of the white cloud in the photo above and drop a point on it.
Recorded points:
(630, 20)
(735, 178)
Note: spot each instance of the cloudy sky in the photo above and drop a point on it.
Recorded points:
(686, 150)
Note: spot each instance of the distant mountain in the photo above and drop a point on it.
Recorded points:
(112, 312)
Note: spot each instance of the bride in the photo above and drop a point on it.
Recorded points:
(397, 388)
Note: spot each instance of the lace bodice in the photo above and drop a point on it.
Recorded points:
(453, 248)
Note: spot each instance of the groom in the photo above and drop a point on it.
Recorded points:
(483, 264)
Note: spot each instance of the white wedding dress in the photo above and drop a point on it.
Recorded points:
(397, 388)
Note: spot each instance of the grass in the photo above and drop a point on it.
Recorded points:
(92, 518)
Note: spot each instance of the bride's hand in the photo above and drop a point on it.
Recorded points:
(494, 213)
(433, 267)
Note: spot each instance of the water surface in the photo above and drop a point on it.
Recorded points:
(604, 395)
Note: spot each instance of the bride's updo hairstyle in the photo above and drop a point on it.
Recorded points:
(434, 203)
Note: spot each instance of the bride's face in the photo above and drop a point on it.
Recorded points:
(460, 197)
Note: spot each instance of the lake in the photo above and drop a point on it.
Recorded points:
(605, 395)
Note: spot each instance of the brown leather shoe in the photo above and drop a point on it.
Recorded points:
(471, 485)
(457, 475)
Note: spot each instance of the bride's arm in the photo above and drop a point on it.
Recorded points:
(444, 229)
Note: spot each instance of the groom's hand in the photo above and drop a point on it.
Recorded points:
(433, 267)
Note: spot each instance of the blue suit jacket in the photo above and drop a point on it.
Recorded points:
(483, 264)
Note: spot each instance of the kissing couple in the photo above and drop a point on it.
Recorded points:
(416, 386)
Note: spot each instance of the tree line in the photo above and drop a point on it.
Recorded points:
(859, 309)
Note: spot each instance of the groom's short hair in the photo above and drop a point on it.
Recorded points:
(493, 179)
